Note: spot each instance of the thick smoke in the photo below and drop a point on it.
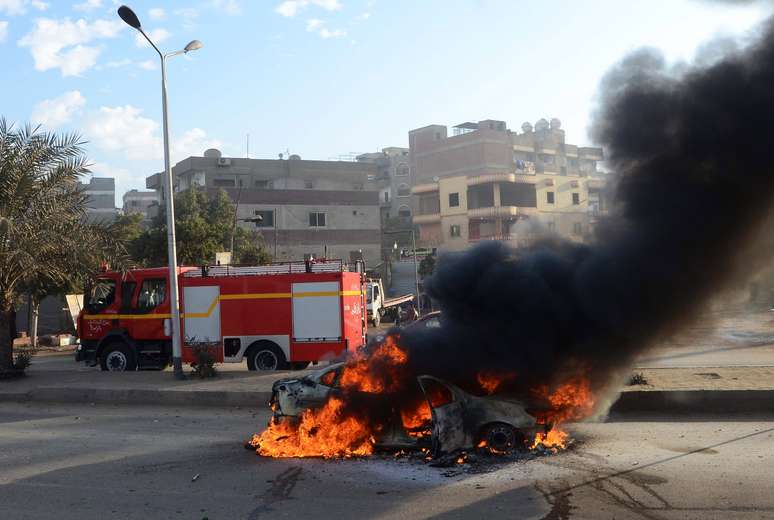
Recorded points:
(693, 157)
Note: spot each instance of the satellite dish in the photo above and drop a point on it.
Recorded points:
(541, 125)
(556, 124)
(294, 157)
(213, 153)
(436, 178)
(526, 127)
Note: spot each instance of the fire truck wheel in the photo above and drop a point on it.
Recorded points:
(502, 438)
(377, 319)
(117, 357)
(265, 355)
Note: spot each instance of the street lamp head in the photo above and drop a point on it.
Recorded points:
(128, 16)
(193, 45)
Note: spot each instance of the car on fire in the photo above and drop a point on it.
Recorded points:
(459, 420)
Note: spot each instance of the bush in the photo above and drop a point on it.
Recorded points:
(204, 364)
(638, 378)
(23, 360)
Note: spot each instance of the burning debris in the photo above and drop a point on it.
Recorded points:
(533, 337)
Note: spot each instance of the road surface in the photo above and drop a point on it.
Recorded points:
(96, 462)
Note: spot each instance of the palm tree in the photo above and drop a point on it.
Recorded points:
(45, 238)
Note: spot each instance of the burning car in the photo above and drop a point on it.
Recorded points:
(445, 418)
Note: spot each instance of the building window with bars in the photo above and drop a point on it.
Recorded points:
(316, 219)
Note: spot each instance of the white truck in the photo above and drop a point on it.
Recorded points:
(377, 303)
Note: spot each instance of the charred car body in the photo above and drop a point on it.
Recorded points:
(458, 419)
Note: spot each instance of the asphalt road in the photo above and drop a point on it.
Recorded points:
(83, 462)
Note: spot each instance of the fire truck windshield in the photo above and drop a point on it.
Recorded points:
(102, 294)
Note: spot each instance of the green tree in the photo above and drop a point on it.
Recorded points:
(46, 242)
(203, 227)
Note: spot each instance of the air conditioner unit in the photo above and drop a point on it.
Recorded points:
(223, 161)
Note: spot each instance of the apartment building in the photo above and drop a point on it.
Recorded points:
(144, 202)
(324, 208)
(486, 182)
(392, 180)
(101, 202)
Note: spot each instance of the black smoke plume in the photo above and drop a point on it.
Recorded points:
(693, 154)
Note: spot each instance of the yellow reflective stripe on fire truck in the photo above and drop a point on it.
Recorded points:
(126, 316)
(248, 296)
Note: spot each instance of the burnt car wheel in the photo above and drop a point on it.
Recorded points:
(265, 355)
(502, 438)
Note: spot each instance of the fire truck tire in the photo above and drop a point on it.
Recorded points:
(265, 355)
(116, 356)
(377, 318)
(502, 438)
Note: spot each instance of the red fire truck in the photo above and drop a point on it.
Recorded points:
(277, 316)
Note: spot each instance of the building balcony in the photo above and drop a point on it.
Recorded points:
(501, 211)
(525, 178)
(432, 218)
(424, 188)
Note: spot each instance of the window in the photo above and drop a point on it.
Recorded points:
(267, 215)
(438, 136)
(316, 219)
(308, 185)
(152, 294)
(577, 229)
(224, 183)
(576, 198)
(437, 393)
(135, 203)
(454, 230)
(563, 170)
(404, 211)
(386, 196)
(549, 197)
(127, 291)
(404, 190)
(264, 184)
(402, 170)
(454, 200)
(102, 295)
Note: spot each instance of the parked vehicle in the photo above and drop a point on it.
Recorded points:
(277, 316)
(431, 320)
(377, 303)
(504, 424)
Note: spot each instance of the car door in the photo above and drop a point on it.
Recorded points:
(447, 412)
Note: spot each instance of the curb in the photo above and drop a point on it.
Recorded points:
(631, 402)
(201, 398)
(695, 401)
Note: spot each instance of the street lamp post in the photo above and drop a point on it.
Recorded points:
(128, 16)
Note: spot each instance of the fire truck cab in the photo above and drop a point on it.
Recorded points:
(276, 316)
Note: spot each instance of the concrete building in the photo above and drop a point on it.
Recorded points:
(308, 207)
(485, 182)
(101, 204)
(393, 180)
(143, 202)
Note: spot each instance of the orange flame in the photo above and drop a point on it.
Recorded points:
(569, 401)
(325, 432)
(329, 431)
(491, 381)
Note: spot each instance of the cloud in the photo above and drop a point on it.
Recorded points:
(3, 31)
(156, 35)
(148, 65)
(59, 44)
(88, 5)
(145, 65)
(157, 13)
(363, 17)
(336, 33)
(290, 8)
(53, 113)
(314, 24)
(231, 7)
(124, 129)
(318, 26)
(17, 7)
